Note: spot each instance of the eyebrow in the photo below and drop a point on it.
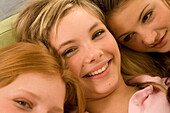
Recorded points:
(140, 16)
(123, 35)
(66, 43)
(30, 93)
(93, 26)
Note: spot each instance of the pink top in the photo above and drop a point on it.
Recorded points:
(149, 99)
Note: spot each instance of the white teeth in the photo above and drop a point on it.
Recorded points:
(98, 71)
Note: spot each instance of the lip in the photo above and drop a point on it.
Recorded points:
(101, 75)
(162, 42)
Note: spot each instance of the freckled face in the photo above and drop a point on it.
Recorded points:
(142, 25)
(90, 51)
(33, 93)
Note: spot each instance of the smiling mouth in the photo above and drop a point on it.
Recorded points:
(99, 71)
(160, 42)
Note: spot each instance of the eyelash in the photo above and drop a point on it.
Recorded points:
(68, 51)
(147, 16)
(128, 37)
(97, 34)
(24, 104)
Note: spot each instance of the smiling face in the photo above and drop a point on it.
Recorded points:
(30, 92)
(142, 25)
(90, 51)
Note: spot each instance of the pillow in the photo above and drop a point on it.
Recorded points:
(7, 31)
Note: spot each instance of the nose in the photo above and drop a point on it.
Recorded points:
(150, 38)
(42, 109)
(92, 54)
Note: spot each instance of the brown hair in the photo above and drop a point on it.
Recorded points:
(24, 57)
(108, 6)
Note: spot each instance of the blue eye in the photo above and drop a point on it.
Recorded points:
(97, 34)
(68, 51)
(147, 16)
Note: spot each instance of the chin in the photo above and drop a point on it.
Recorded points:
(165, 50)
(98, 95)
(102, 91)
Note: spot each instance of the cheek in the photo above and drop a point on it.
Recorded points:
(135, 45)
(7, 107)
(112, 45)
(75, 64)
(163, 18)
(168, 20)
(59, 96)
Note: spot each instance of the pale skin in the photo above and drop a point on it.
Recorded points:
(91, 52)
(33, 93)
(142, 25)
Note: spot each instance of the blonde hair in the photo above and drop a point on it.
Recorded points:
(24, 57)
(38, 17)
(136, 63)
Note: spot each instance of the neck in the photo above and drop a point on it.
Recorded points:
(117, 101)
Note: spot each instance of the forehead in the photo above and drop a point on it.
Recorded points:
(76, 22)
(130, 9)
(39, 77)
(28, 81)
(126, 16)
